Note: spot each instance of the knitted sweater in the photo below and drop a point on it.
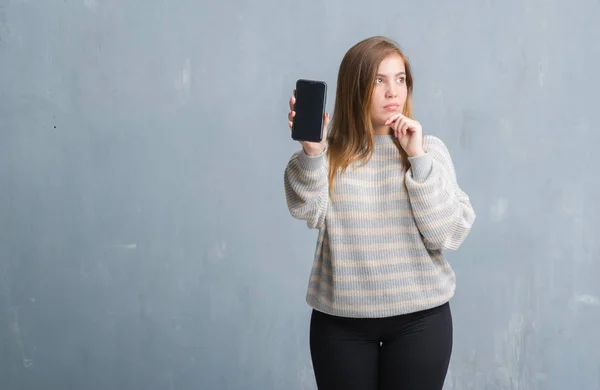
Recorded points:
(383, 231)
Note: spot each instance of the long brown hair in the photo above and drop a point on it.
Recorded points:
(351, 136)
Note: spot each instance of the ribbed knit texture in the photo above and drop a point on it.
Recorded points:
(383, 231)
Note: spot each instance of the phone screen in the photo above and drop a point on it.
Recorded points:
(309, 108)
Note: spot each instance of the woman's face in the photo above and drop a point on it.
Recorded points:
(389, 92)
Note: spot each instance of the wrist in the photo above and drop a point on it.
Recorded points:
(313, 151)
(420, 167)
(417, 153)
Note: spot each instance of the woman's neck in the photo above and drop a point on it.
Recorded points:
(383, 130)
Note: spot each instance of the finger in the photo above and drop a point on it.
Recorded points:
(292, 103)
(394, 126)
(409, 126)
(291, 115)
(392, 119)
(404, 128)
(325, 125)
(398, 124)
(395, 117)
(414, 126)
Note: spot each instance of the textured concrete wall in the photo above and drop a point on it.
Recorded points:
(144, 238)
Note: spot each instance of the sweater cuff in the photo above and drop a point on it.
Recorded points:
(421, 167)
(311, 163)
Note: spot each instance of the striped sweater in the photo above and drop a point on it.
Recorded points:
(382, 231)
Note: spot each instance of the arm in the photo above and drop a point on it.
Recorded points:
(307, 188)
(442, 211)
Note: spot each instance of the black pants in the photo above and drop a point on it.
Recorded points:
(406, 352)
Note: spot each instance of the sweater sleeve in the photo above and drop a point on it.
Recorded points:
(442, 211)
(307, 188)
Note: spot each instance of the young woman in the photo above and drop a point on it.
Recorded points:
(386, 202)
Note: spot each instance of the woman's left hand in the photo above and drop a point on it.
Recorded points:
(409, 133)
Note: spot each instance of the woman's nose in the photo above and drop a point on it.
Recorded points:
(391, 91)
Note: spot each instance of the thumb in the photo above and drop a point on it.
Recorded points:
(325, 120)
(325, 126)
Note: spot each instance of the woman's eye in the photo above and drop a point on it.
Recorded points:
(401, 80)
(379, 80)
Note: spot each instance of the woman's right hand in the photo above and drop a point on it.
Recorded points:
(310, 148)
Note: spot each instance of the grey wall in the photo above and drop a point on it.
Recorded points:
(145, 241)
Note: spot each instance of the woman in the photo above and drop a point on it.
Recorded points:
(386, 202)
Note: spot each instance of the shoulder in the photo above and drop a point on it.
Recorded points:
(438, 151)
(434, 144)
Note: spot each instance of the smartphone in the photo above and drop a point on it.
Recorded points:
(311, 97)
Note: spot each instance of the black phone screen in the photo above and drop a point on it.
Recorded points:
(309, 108)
